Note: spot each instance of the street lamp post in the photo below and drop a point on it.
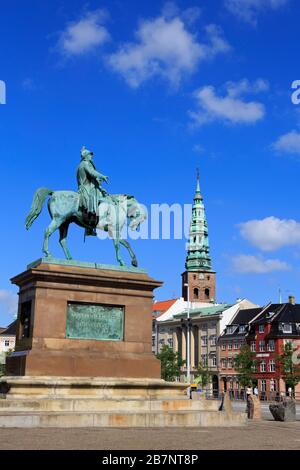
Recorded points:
(188, 353)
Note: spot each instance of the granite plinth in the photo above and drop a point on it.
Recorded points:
(46, 289)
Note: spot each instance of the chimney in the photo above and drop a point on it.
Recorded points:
(292, 300)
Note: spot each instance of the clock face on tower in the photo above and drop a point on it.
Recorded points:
(201, 276)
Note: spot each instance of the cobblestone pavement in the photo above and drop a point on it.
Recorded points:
(265, 435)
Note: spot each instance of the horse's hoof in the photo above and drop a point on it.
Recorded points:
(134, 263)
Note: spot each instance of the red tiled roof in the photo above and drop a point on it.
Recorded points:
(163, 306)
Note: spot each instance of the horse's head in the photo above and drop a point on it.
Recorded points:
(136, 213)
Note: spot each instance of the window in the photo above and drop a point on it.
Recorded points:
(170, 341)
(230, 363)
(236, 345)
(263, 385)
(261, 346)
(6, 343)
(223, 363)
(261, 328)
(204, 340)
(271, 345)
(204, 360)
(287, 328)
(263, 366)
(230, 330)
(253, 346)
(272, 365)
(206, 293)
(242, 329)
(223, 346)
(229, 346)
(214, 361)
(213, 340)
(196, 293)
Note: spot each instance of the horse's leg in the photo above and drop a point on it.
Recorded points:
(117, 248)
(131, 252)
(63, 233)
(51, 229)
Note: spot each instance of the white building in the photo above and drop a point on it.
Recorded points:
(8, 338)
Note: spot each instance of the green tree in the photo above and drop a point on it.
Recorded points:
(289, 365)
(203, 375)
(171, 363)
(245, 364)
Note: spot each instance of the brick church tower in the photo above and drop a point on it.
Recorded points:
(199, 280)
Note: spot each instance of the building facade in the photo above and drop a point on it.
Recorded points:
(230, 342)
(205, 324)
(8, 338)
(276, 325)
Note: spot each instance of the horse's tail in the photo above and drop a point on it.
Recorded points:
(37, 205)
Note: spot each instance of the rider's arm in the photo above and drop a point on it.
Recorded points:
(93, 173)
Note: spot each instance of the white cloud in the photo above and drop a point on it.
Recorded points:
(84, 35)
(249, 264)
(288, 143)
(230, 107)
(165, 47)
(198, 148)
(271, 233)
(8, 301)
(248, 10)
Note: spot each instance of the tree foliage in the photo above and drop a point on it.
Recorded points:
(203, 375)
(245, 364)
(289, 365)
(171, 363)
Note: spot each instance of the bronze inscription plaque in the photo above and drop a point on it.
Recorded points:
(95, 321)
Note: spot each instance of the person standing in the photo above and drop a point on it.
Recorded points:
(248, 392)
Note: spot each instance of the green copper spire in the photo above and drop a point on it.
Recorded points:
(198, 258)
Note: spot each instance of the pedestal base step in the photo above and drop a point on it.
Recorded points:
(114, 419)
(90, 405)
(96, 402)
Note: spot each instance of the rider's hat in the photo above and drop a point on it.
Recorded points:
(85, 152)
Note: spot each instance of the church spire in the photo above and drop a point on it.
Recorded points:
(198, 192)
(198, 257)
(198, 280)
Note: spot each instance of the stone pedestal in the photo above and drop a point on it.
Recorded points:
(84, 320)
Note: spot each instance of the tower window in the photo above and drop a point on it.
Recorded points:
(196, 293)
(206, 293)
(208, 278)
(194, 277)
(195, 239)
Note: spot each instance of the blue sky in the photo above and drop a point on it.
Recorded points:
(157, 89)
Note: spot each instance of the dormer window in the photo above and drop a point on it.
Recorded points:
(242, 329)
(230, 330)
(287, 328)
